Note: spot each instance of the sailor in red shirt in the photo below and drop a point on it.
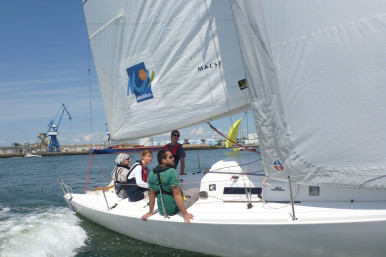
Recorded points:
(177, 150)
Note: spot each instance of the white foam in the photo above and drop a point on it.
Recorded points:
(4, 211)
(56, 232)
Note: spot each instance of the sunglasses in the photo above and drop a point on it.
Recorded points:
(176, 135)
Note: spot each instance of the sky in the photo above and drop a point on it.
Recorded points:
(44, 62)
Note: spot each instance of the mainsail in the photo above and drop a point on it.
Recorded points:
(316, 71)
(164, 65)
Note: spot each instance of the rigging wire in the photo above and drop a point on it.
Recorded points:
(89, 83)
(233, 166)
(87, 178)
(242, 146)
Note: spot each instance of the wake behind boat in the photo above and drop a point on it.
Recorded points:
(316, 89)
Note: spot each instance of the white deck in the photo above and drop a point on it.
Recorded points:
(321, 229)
(223, 225)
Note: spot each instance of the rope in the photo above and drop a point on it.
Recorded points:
(104, 188)
(108, 179)
(239, 165)
(87, 177)
(266, 204)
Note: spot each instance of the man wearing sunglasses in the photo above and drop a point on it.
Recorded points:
(164, 183)
(177, 151)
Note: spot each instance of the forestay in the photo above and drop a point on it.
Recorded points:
(317, 72)
(164, 65)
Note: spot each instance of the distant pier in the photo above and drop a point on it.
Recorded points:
(43, 154)
(21, 151)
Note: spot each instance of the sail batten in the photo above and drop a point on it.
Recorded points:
(165, 65)
(318, 96)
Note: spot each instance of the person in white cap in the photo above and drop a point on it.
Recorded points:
(119, 174)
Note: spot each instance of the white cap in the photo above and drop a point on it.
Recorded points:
(121, 158)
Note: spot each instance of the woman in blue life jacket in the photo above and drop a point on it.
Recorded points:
(119, 174)
(137, 185)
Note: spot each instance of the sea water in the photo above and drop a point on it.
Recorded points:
(35, 220)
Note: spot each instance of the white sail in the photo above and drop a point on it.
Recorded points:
(317, 72)
(164, 65)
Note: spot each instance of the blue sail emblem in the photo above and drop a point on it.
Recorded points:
(140, 81)
(278, 166)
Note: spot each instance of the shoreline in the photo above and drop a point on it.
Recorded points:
(48, 154)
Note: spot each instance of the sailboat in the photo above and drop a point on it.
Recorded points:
(29, 155)
(315, 73)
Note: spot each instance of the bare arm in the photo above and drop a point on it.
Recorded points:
(151, 205)
(182, 171)
(180, 204)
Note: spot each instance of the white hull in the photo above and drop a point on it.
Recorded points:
(228, 228)
(31, 155)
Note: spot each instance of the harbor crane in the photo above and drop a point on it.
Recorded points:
(53, 130)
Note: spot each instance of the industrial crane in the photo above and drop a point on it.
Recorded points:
(53, 130)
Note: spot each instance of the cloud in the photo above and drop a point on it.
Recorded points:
(198, 131)
(37, 82)
(93, 137)
(201, 131)
(88, 137)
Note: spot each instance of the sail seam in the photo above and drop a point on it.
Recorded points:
(120, 15)
(217, 56)
(327, 30)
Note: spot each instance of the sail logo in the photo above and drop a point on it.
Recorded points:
(279, 189)
(140, 81)
(313, 191)
(242, 84)
(209, 66)
(278, 166)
